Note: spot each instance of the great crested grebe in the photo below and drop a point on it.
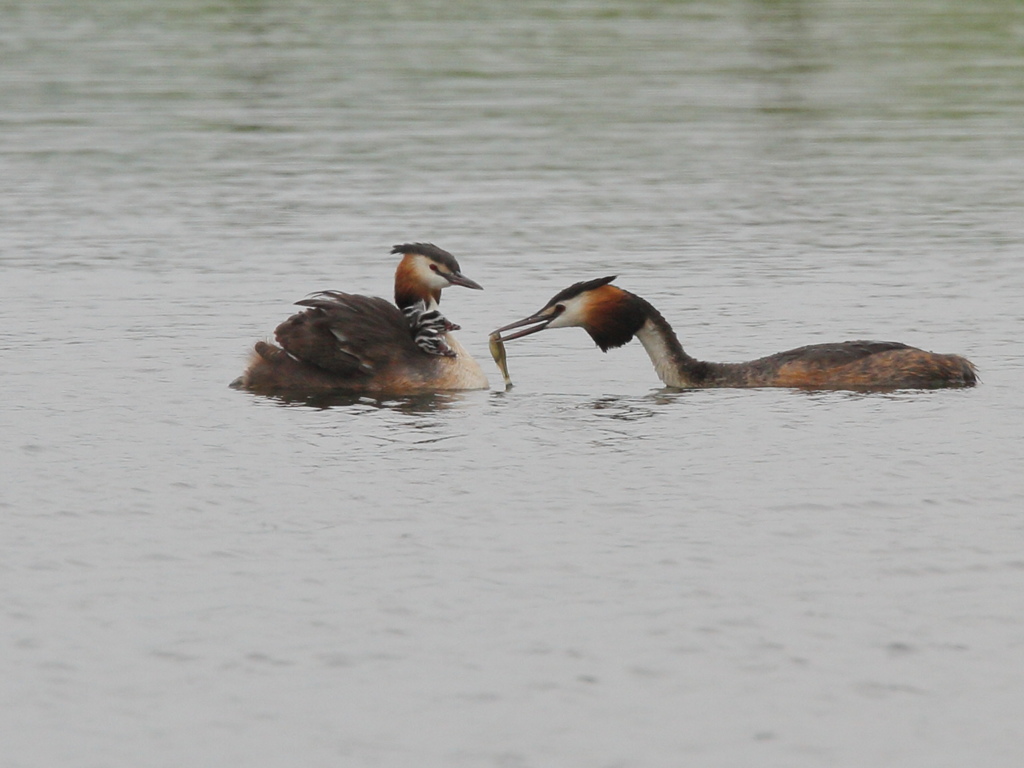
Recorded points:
(366, 345)
(613, 316)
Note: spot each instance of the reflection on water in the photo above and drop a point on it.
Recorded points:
(415, 405)
(626, 409)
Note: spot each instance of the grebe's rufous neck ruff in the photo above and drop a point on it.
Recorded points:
(613, 317)
(424, 271)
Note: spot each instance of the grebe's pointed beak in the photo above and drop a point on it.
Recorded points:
(539, 321)
(457, 278)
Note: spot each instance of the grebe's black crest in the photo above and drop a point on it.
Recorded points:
(576, 289)
(431, 251)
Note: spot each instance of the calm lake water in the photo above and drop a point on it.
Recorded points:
(585, 570)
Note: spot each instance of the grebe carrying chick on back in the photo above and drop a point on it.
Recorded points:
(345, 343)
(613, 317)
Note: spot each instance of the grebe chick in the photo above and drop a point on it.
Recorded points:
(613, 316)
(347, 343)
(429, 327)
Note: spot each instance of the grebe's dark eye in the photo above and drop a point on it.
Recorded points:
(433, 268)
(559, 309)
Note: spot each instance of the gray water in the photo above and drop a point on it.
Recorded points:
(585, 570)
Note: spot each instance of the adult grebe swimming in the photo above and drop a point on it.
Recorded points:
(613, 316)
(366, 345)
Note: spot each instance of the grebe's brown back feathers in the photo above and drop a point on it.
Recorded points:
(346, 333)
(855, 365)
(356, 344)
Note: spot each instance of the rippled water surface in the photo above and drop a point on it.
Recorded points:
(587, 569)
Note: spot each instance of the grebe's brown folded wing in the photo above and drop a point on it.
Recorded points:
(347, 334)
(832, 355)
(857, 365)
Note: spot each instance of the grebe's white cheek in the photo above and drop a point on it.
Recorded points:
(427, 276)
(436, 281)
(558, 322)
(574, 314)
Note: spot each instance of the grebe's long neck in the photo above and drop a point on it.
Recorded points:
(674, 367)
(408, 293)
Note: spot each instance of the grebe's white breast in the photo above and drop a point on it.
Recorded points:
(463, 372)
